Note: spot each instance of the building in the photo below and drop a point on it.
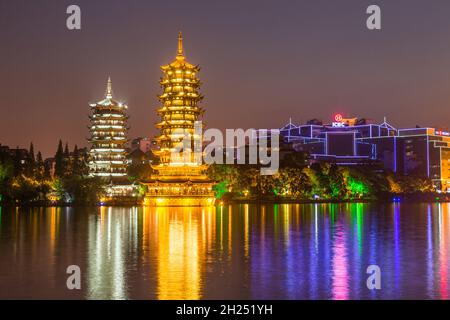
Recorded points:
(424, 152)
(17, 157)
(341, 142)
(21, 155)
(181, 182)
(143, 144)
(107, 156)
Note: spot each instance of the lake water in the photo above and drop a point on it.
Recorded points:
(286, 251)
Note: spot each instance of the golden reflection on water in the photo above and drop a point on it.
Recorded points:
(246, 230)
(54, 224)
(181, 240)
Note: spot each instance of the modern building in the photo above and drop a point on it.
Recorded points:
(107, 156)
(341, 142)
(424, 152)
(181, 182)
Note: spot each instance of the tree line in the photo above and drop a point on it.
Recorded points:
(298, 180)
(25, 177)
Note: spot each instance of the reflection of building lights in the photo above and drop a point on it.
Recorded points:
(340, 279)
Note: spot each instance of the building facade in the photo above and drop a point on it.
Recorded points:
(424, 152)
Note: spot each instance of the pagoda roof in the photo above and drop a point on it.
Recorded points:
(180, 60)
(180, 63)
(170, 180)
(108, 101)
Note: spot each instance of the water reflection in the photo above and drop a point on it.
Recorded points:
(443, 250)
(311, 251)
(180, 248)
(112, 242)
(340, 288)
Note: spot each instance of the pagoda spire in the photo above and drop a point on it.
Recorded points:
(180, 45)
(109, 89)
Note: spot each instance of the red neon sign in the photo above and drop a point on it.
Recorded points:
(338, 117)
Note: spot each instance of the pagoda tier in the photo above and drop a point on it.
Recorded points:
(108, 138)
(180, 183)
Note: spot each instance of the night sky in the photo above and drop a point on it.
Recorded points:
(262, 62)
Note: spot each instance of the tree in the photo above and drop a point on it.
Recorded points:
(59, 161)
(47, 170)
(76, 165)
(66, 161)
(17, 162)
(139, 168)
(337, 182)
(294, 159)
(40, 168)
(358, 186)
(31, 161)
(298, 183)
(66, 151)
(313, 181)
(84, 190)
(322, 173)
(24, 189)
(6, 173)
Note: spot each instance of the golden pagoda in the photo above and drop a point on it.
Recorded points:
(181, 182)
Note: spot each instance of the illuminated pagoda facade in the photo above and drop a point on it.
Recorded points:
(108, 139)
(183, 182)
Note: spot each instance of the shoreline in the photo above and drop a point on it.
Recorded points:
(437, 198)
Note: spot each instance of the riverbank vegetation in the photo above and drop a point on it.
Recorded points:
(65, 180)
(319, 181)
